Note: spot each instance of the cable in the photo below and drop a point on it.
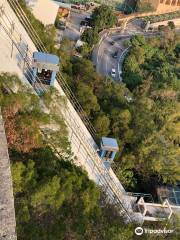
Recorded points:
(98, 164)
(37, 41)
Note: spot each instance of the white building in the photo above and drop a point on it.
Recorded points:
(44, 10)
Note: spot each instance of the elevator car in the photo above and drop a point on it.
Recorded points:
(108, 149)
(45, 67)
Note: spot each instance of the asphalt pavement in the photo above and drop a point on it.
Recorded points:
(102, 56)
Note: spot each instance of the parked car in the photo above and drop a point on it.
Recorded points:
(61, 25)
(113, 72)
(84, 23)
(76, 7)
(88, 19)
(115, 54)
(112, 43)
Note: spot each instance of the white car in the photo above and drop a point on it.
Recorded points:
(113, 72)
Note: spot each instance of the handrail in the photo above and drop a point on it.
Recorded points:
(40, 46)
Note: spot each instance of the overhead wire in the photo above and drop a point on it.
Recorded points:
(105, 177)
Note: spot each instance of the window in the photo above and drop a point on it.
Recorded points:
(108, 154)
(45, 76)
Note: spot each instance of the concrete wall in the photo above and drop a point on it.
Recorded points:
(176, 22)
(168, 5)
(7, 212)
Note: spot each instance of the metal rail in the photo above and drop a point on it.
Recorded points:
(40, 46)
(144, 195)
(105, 179)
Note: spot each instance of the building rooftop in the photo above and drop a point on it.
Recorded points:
(45, 61)
(46, 58)
(63, 5)
(109, 143)
(44, 10)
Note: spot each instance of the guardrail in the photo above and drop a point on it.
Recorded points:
(120, 62)
(146, 196)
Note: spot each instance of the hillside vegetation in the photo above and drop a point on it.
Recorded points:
(142, 113)
(54, 199)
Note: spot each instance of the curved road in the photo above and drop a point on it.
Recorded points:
(103, 54)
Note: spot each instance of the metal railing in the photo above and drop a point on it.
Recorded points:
(105, 179)
(40, 46)
(146, 196)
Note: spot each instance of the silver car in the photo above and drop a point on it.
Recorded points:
(113, 72)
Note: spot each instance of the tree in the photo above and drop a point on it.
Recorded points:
(87, 98)
(121, 120)
(171, 24)
(132, 80)
(22, 132)
(62, 202)
(18, 170)
(85, 50)
(90, 36)
(131, 64)
(103, 17)
(156, 102)
(101, 124)
(138, 40)
(84, 71)
(177, 50)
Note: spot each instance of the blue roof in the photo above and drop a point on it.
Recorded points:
(110, 142)
(46, 58)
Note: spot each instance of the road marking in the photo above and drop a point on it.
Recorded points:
(106, 65)
(120, 58)
(101, 53)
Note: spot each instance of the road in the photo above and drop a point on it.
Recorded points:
(102, 57)
(103, 54)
